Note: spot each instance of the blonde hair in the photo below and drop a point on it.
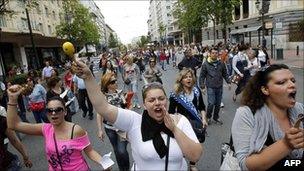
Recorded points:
(105, 81)
(178, 86)
(130, 59)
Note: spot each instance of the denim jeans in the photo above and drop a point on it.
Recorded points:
(163, 64)
(120, 149)
(214, 102)
(40, 116)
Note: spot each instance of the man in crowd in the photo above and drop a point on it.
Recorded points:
(47, 71)
(212, 74)
(189, 62)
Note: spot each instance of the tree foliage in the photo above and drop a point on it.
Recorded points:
(143, 41)
(195, 14)
(113, 42)
(78, 27)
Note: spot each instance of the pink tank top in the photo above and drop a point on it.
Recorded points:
(69, 151)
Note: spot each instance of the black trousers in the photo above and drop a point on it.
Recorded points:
(82, 99)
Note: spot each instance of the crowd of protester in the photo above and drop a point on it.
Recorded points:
(180, 119)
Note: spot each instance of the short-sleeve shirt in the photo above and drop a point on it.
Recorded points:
(69, 150)
(144, 153)
(47, 71)
(79, 82)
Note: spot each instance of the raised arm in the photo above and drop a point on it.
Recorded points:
(102, 107)
(13, 120)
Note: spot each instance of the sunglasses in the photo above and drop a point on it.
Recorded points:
(56, 110)
(113, 81)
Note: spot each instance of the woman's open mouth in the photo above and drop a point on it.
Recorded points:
(292, 95)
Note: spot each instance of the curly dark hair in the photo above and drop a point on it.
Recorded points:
(252, 94)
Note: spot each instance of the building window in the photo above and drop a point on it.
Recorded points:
(229, 30)
(49, 30)
(217, 34)
(168, 15)
(236, 28)
(237, 13)
(46, 11)
(168, 7)
(24, 24)
(245, 8)
(2, 21)
(40, 27)
(208, 36)
(54, 14)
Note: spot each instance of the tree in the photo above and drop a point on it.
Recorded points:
(78, 27)
(161, 30)
(194, 14)
(113, 42)
(144, 40)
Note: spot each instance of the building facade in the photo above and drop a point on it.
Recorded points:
(160, 22)
(15, 42)
(98, 18)
(247, 25)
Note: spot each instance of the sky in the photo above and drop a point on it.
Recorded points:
(127, 18)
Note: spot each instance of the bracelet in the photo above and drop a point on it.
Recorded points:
(12, 104)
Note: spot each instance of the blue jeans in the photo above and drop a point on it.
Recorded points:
(120, 149)
(163, 64)
(40, 116)
(214, 102)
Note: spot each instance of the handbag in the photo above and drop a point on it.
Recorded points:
(228, 159)
(36, 106)
(236, 78)
(127, 81)
(199, 130)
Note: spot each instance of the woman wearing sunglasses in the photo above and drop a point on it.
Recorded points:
(152, 135)
(117, 137)
(64, 141)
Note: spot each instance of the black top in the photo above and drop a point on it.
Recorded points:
(5, 156)
(176, 107)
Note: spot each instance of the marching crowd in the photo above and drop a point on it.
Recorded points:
(171, 129)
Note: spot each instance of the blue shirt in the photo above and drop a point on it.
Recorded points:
(38, 94)
(79, 82)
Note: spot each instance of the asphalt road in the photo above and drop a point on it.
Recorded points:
(210, 159)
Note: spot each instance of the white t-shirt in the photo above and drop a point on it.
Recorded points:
(144, 153)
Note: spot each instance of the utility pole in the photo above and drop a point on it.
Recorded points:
(32, 38)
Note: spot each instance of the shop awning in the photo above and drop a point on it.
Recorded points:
(245, 30)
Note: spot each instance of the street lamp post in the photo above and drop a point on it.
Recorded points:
(263, 7)
(31, 35)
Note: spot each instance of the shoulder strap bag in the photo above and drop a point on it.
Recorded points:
(57, 152)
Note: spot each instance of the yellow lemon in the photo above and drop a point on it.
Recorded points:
(68, 48)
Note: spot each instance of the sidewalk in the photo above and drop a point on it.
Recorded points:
(290, 58)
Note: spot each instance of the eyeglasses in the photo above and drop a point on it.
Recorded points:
(113, 81)
(56, 110)
(152, 85)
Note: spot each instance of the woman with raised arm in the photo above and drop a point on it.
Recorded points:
(264, 132)
(64, 141)
(148, 132)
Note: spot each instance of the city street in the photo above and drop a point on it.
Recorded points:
(212, 147)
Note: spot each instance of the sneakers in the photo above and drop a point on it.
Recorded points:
(209, 121)
(218, 121)
(91, 117)
(222, 105)
(84, 114)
